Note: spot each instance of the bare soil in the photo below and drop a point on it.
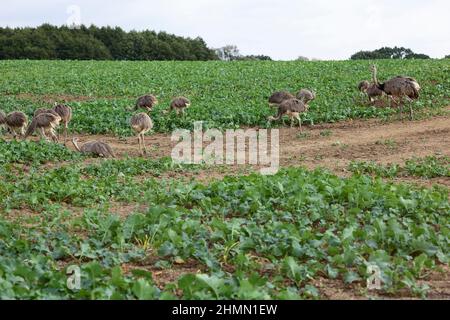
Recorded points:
(331, 146)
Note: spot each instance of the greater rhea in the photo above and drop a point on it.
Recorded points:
(278, 97)
(65, 112)
(97, 148)
(16, 122)
(45, 123)
(141, 124)
(363, 86)
(292, 108)
(370, 89)
(61, 110)
(399, 87)
(306, 95)
(146, 102)
(2, 119)
(179, 104)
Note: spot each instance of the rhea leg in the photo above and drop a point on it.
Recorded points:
(42, 134)
(66, 125)
(398, 104)
(54, 136)
(143, 143)
(410, 104)
(139, 141)
(299, 121)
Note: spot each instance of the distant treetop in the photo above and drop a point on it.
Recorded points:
(98, 43)
(388, 53)
(231, 53)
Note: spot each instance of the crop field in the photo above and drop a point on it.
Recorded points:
(356, 190)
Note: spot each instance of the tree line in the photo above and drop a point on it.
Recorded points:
(98, 43)
(113, 43)
(388, 53)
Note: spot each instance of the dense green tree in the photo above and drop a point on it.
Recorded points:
(98, 43)
(388, 53)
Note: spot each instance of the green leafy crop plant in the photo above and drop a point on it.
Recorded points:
(223, 95)
(253, 237)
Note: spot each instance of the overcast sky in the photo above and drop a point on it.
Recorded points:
(282, 29)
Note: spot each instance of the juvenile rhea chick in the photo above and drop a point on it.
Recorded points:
(306, 95)
(292, 108)
(96, 148)
(179, 104)
(141, 124)
(45, 123)
(146, 102)
(16, 122)
(278, 97)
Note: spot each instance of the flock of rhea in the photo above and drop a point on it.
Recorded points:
(45, 121)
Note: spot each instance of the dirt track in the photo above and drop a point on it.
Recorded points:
(332, 146)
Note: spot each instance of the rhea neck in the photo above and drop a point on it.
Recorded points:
(75, 144)
(374, 76)
(375, 79)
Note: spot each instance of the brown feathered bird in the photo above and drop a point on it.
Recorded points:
(370, 89)
(373, 92)
(44, 123)
(96, 148)
(146, 102)
(306, 95)
(61, 110)
(44, 110)
(179, 104)
(363, 86)
(278, 97)
(292, 108)
(141, 124)
(399, 88)
(65, 112)
(16, 122)
(2, 119)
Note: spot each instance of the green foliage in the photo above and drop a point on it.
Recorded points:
(253, 237)
(81, 186)
(223, 95)
(388, 53)
(94, 43)
(427, 167)
(29, 152)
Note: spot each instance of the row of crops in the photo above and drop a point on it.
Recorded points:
(247, 237)
(224, 95)
(136, 229)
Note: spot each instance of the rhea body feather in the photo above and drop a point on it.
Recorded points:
(97, 148)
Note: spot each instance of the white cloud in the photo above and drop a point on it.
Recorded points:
(283, 29)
